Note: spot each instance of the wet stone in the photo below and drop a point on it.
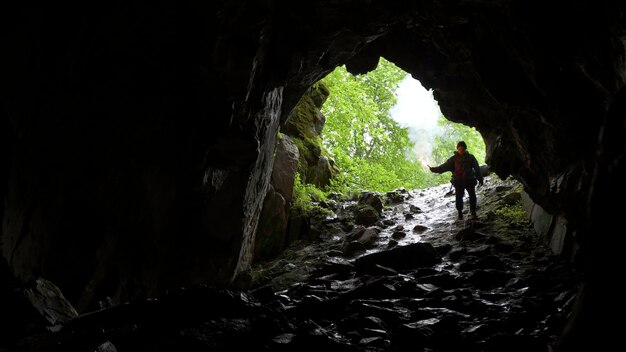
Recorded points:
(397, 235)
(490, 262)
(443, 249)
(493, 288)
(456, 254)
(420, 228)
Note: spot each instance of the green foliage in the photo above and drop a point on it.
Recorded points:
(372, 150)
(303, 197)
(512, 214)
(301, 201)
(314, 193)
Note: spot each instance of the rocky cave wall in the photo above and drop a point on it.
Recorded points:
(141, 134)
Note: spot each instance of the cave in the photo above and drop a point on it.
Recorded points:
(138, 137)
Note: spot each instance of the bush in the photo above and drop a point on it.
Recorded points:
(304, 196)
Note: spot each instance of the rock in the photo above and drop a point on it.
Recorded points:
(401, 258)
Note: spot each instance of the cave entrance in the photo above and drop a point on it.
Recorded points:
(382, 128)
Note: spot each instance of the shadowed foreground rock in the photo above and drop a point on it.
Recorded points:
(487, 285)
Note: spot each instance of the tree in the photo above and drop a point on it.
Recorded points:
(445, 143)
(371, 149)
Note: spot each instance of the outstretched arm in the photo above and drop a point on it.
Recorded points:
(447, 166)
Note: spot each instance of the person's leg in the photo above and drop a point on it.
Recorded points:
(471, 191)
(459, 192)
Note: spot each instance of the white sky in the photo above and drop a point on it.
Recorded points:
(417, 109)
(416, 106)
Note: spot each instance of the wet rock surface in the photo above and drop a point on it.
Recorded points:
(425, 282)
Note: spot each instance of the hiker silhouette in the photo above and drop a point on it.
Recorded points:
(465, 174)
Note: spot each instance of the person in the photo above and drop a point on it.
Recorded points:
(465, 172)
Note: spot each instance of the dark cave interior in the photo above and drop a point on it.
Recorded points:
(126, 126)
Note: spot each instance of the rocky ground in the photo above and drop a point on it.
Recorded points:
(392, 272)
(419, 277)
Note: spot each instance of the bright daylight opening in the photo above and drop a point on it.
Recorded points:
(383, 128)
